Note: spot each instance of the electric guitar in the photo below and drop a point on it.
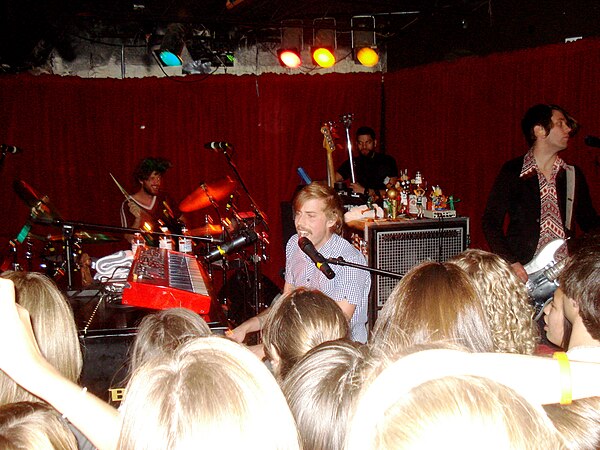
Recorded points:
(329, 145)
(543, 271)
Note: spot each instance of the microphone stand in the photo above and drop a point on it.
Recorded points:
(342, 262)
(255, 208)
(257, 288)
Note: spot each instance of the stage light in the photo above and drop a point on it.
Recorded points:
(323, 57)
(363, 40)
(324, 42)
(289, 58)
(367, 57)
(292, 42)
(169, 53)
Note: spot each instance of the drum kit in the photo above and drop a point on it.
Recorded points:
(58, 255)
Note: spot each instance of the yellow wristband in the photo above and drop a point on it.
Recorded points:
(566, 383)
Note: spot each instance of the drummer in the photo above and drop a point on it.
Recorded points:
(150, 204)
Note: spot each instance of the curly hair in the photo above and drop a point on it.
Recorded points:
(505, 301)
(149, 165)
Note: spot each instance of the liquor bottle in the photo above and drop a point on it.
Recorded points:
(165, 240)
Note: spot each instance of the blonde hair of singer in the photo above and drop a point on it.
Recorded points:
(422, 401)
(505, 301)
(162, 332)
(433, 302)
(298, 322)
(322, 389)
(54, 328)
(34, 425)
(212, 392)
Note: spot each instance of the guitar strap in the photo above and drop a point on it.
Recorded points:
(570, 196)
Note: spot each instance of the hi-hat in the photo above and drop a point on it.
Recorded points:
(40, 204)
(207, 194)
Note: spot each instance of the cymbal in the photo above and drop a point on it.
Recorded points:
(40, 204)
(209, 229)
(84, 237)
(204, 195)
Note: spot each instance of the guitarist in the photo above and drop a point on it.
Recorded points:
(150, 204)
(540, 194)
(371, 167)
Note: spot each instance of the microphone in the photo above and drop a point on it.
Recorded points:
(592, 141)
(245, 238)
(218, 145)
(5, 148)
(307, 247)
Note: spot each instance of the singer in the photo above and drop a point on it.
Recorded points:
(319, 217)
(541, 195)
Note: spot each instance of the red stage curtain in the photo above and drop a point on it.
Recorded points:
(455, 122)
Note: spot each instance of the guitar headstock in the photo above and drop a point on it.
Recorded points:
(328, 142)
(347, 119)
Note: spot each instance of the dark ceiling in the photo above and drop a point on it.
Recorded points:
(413, 32)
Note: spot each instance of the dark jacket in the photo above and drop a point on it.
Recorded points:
(519, 198)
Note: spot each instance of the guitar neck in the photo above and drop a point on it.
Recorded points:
(330, 169)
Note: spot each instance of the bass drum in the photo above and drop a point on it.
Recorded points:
(237, 295)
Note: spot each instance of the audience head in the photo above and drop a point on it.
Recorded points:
(541, 114)
(505, 300)
(298, 322)
(210, 392)
(329, 202)
(33, 425)
(161, 333)
(433, 302)
(54, 327)
(421, 402)
(322, 389)
(578, 423)
(575, 309)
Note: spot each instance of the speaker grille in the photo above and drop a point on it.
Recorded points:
(398, 246)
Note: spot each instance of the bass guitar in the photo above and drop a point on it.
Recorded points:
(329, 145)
(543, 271)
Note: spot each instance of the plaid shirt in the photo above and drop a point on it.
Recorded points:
(352, 285)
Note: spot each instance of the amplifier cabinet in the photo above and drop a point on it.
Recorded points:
(398, 246)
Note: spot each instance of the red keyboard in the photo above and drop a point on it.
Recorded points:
(162, 279)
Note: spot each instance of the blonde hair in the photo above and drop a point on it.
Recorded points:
(210, 392)
(578, 423)
(299, 322)
(433, 302)
(28, 425)
(54, 328)
(322, 389)
(164, 331)
(411, 405)
(505, 301)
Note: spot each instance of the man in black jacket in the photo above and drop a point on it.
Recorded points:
(533, 191)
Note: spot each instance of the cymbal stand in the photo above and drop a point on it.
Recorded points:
(68, 231)
(253, 205)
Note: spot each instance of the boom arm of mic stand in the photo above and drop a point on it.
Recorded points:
(113, 229)
(255, 208)
(342, 262)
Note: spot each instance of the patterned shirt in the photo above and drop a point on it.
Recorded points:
(352, 285)
(551, 226)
